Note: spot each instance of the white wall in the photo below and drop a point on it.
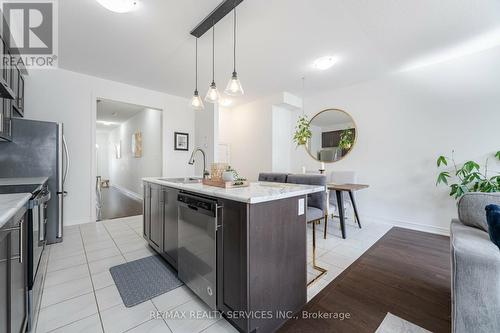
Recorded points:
(207, 137)
(248, 129)
(404, 121)
(68, 97)
(126, 173)
(103, 153)
(282, 133)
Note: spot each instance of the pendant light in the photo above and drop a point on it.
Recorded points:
(196, 102)
(234, 87)
(212, 93)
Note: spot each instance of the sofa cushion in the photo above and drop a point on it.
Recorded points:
(471, 208)
(475, 286)
(493, 218)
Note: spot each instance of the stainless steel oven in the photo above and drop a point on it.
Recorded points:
(37, 256)
(197, 253)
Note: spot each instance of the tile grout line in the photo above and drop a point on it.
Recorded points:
(113, 240)
(92, 282)
(43, 291)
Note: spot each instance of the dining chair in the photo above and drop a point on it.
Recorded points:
(339, 177)
(316, 210)
(275, 177)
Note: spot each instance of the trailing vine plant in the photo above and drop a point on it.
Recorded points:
(302, 131)
(346, 139)
(469, 177)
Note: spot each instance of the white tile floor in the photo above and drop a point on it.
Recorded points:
(80, 294)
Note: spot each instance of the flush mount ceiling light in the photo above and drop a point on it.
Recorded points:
(196, 102)
(324, 63)
(119, 6)
(212, 93)
(234, 87)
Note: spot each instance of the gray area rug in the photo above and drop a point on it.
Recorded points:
(141, 280)
(394, 324)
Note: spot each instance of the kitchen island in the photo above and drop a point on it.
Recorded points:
(242, 250)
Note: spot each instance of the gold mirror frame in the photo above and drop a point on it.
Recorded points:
(353, 144)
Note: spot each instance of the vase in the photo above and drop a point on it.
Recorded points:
(228, 176)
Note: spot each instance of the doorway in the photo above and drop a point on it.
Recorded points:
(128, 148)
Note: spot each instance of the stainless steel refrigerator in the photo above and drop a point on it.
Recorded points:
(38, 149)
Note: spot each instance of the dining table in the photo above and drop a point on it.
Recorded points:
(350, 189)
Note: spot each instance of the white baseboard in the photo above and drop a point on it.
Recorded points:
(127, 192)
(78, 221)
(408, 225)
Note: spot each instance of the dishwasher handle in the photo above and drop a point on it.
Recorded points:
(192, 207)
(201, 205)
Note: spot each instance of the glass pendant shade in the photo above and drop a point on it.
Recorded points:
(196, 102)
(234, 87)
(212, 94)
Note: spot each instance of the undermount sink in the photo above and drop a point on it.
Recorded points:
(187, 180)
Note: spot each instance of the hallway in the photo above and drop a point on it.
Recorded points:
(115, 204)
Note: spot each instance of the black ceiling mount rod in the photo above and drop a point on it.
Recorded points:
(215, 16)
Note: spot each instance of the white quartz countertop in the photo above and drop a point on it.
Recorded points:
(23, 181)
(10, 205)
(255, 193)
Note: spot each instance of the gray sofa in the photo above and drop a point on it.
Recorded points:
(475, 262)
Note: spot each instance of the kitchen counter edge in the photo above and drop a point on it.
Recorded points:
(232, 193)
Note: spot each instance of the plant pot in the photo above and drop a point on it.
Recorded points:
(228, 176)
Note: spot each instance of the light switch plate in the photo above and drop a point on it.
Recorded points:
(301, 206)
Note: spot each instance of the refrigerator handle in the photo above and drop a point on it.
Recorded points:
(66, 152)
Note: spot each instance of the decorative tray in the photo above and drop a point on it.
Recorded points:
(223, 184)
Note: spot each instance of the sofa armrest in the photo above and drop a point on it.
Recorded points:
(475, 280)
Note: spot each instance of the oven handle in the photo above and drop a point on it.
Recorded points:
(39, 201)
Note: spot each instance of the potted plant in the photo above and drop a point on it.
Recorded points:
(346, 139)
(468, 177)
(302, 131)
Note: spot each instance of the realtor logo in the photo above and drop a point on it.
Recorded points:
(33, 31)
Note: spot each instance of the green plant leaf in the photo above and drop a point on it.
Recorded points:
(453, 189)
(441, 160)
(497, 155)
(469, 166)
(443, 178)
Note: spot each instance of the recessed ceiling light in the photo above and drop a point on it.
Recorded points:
(119, 6)
(324, 63)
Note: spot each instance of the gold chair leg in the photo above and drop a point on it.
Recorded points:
(316, 267)
(326, 223)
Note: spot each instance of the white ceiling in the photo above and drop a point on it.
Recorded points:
(114, 113)
(278, 40)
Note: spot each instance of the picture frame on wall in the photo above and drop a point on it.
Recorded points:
(181, 141)
(137, 144)
(118, 150)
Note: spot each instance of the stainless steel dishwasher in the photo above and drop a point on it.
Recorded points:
(197, 254)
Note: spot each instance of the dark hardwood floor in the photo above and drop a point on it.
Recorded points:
(115, 204)
(406, 273)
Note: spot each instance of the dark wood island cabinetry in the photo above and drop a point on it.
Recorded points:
(261, 254)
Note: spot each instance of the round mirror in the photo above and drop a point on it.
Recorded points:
(333, 135)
